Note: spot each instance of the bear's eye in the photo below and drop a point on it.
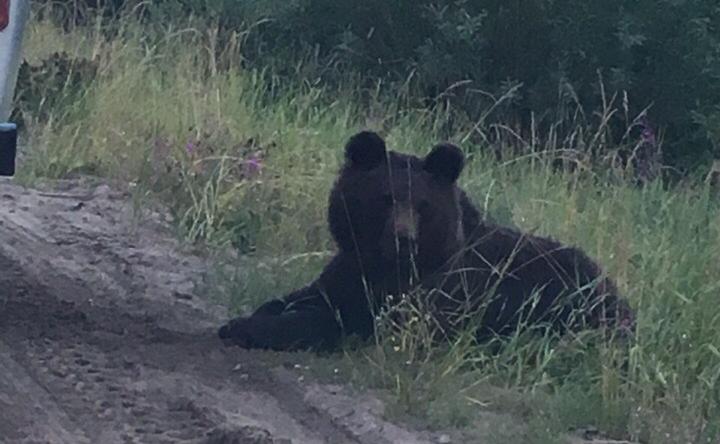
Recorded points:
(386, 200)
(423, 208)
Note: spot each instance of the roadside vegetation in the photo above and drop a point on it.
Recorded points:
(244, 152)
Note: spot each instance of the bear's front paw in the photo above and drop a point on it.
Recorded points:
(236, 332)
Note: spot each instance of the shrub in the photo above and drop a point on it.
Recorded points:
(662, 54)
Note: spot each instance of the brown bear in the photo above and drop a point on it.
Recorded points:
(401, 223)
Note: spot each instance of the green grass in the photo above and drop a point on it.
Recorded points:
(154, 96)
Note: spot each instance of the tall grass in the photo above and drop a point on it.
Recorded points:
(246, 158)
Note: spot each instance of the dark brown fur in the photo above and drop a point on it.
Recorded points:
(401, 223)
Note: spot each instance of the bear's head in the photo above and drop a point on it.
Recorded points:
(394, 209)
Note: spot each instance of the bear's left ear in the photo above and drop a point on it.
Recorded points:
(446, 161)
(365, 150)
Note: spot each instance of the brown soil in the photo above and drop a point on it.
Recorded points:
(105, 339)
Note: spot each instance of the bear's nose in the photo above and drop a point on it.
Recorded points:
(404, 221)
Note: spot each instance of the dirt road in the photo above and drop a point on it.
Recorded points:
(104, 338)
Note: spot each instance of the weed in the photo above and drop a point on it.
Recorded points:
(245, 159)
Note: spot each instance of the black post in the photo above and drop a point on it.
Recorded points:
(8, 148)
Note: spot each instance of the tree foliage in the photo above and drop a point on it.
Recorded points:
(664, 54)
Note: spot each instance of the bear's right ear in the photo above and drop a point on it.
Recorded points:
(365, 150)
(446, 161)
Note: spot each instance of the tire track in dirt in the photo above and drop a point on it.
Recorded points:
(104, 339)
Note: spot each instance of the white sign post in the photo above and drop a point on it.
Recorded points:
(13, 17)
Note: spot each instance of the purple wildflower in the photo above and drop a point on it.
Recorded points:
(648, 134)
(190, 147)
(252, 165)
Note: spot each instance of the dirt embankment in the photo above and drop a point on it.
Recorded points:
(104, 338)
